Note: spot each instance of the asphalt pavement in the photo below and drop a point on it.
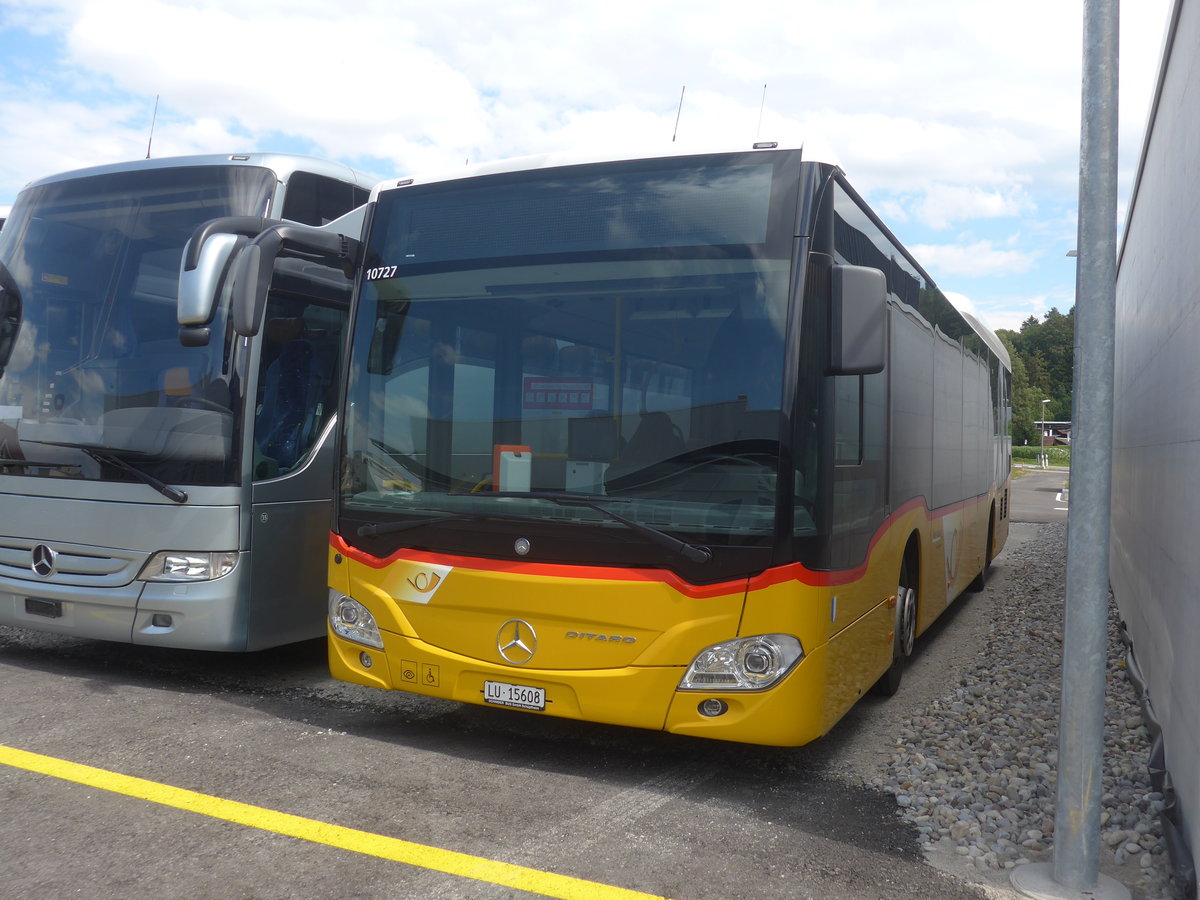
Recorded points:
(1040, 495)
(139, 772)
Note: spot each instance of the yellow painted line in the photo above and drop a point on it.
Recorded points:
(461, 864)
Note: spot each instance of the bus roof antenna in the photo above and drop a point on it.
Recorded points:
(761, 107)
(678, 113)
(153, 119)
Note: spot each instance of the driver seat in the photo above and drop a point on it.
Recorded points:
(284, 421)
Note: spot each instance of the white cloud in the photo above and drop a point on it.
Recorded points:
(944, 204)
(943, 112)
(70, 135)
(909, 94)
(1011, 311)
(36, 16)
(905, 154)
(366, 89)
(980, 258)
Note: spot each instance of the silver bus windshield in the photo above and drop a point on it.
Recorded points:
(611, 332)
(94, 361)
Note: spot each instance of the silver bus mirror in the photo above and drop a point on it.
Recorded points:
(200, 286)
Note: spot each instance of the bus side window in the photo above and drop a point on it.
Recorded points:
(315, 199)
(848, 419)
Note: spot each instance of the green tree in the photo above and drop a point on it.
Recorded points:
(1043, 355)
(1024, 416)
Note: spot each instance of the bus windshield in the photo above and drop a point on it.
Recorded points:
(608, 340)
(93, 380)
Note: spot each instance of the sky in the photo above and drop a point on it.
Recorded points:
(958, 120)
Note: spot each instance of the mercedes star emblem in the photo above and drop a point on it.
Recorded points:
(44, 559)
(517, 641)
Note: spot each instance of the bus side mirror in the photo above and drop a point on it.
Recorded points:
(858, 321)
(249, 297)
(201, 286)
(254, 266)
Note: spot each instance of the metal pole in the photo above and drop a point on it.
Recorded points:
(1085, 627)
(1043, 453)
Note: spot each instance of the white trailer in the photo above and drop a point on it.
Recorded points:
(1155, 569)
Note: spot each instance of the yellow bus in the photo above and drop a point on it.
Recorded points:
(687, 443)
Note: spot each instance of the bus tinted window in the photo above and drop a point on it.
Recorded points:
(588, 210)
(314, 199)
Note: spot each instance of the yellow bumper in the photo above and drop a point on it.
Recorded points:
(790, 714)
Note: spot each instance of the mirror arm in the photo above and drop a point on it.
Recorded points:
(248, 226)
(256, 264)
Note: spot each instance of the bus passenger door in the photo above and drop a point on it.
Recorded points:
(295, 398)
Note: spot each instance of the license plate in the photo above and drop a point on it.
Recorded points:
(36, 606)
(518, 696)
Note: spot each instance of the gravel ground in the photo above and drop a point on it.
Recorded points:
(975, 770)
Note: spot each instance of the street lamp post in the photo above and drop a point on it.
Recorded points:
(1043, 454)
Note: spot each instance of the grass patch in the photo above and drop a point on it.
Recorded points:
(1058, 456)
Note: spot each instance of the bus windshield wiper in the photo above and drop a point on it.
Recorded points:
(396, 527)
(171, 493)
(691, 552)
(104, 456)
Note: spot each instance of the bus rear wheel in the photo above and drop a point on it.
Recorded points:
(980, 581)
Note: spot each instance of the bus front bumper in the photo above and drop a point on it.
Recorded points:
(204, 615)
(789, 714)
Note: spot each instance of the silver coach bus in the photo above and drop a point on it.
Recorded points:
(162, 484)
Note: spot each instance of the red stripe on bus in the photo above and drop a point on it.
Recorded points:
(546, 570)
(768, 578)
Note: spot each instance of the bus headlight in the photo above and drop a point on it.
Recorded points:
(185, 565)
(350, 619)
(743, 664)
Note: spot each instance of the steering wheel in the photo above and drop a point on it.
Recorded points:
(201, 403)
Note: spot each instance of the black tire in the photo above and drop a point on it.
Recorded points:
(905, 633)
(980, 581)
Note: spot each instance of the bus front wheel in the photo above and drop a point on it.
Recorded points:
(905, 633)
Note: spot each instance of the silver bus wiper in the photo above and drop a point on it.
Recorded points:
(104, 456)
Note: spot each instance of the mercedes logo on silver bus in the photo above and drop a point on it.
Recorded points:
(44, 559)
(517, 641)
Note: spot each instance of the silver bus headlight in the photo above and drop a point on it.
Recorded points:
(186, 565)
(743, 664)
(350, 619)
